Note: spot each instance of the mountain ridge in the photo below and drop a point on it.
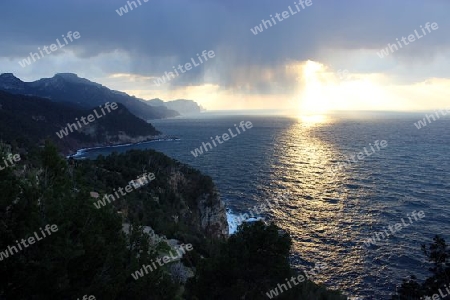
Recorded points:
(183, 106)
(81, 92)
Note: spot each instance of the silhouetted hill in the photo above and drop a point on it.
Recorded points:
(29, 120)
(69, 88)
(182, 106)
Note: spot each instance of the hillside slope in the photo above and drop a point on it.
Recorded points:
(30, 120)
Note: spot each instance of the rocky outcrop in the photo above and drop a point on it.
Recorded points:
(209, 215)
(213, 218)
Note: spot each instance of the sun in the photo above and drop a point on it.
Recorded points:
(313, 99)
(321, 91)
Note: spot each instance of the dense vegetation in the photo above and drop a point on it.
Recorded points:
(91, 255)
(438, 253)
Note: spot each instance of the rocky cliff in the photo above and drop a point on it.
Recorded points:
(207, 213)
(213, 217)
(180, 203)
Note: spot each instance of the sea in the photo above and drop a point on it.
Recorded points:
(328, 200)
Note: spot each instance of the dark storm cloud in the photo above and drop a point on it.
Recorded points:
(162, 33)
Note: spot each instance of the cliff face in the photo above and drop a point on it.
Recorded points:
(207, 213)
(213, 217)
(180, 203)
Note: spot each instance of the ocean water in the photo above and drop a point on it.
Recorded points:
(286, 162)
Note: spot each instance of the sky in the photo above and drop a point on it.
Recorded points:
(316, 58)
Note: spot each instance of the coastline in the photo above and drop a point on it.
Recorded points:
(82, 151)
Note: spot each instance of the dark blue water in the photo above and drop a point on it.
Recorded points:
(329, 215)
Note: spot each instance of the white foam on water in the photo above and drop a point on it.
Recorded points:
(235, 220)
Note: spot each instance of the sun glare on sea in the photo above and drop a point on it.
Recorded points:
(312, 120)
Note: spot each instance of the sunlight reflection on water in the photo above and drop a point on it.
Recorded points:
(317, 212)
